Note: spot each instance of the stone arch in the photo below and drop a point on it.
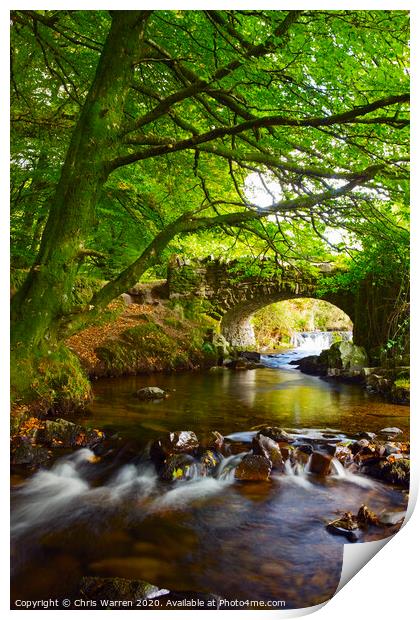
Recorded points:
(236, 324)
(233, 297)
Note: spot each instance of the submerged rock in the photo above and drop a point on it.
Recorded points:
(151, 393)
(320, 463)
(219, 369)
(391, 518)
(118, 589)
(253, 467)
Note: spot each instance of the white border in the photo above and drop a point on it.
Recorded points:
(388, 584)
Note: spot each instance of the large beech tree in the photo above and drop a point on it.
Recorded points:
(316, 99)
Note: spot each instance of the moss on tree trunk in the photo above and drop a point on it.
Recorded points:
(45, 296)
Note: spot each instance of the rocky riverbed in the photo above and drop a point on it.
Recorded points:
(217, 484)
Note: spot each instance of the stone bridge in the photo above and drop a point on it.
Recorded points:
(234, 296)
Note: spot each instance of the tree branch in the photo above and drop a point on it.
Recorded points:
(200, 85)
(188, 223)
(165, 145)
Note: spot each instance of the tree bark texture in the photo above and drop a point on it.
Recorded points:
(46, 294)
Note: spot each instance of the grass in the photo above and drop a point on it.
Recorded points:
(53, 378)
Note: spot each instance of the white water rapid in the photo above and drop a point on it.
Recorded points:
(316, 341)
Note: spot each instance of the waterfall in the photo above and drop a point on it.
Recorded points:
(345, 475)
(296, 474)
(315, 342)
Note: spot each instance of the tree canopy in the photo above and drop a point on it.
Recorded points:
(136, 133)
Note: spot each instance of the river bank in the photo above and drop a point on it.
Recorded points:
(134, 338)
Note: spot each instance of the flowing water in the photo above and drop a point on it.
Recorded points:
(259, 540)
(314, 342)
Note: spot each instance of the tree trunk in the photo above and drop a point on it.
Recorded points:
(47, 292)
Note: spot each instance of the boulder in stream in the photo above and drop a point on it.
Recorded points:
(390, 432)
(366, 517)
(264, 446)
(177, 467)
(343, 454)
(177, 442)
(253, 467)
(350, 525)
(243, 364)
(306, 448)
(346, 525)
(394, 469)
(320, 463)
(275, 433)
(312, 365)
(209, 460)
(212, 440)
(251, 356)
(366, 435)
(151, 393)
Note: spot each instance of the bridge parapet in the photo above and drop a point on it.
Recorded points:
(236, 291)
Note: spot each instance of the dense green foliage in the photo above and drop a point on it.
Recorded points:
(248, 134)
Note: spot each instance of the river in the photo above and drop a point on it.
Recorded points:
(88, 516)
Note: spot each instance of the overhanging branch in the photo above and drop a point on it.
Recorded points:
(166, 145)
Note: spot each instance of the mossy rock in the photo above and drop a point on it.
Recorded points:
(397, 472)
(53, 378)
(344, 355)
(177, 467)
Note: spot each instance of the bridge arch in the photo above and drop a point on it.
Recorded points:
(236, 325)
(233, 297)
